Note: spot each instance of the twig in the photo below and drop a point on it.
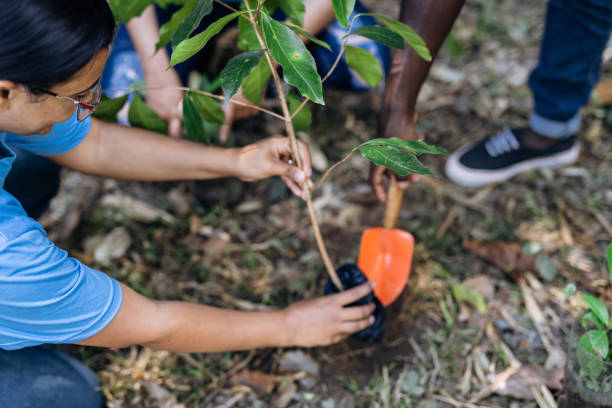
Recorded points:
(322, 179)
(212, 95)
(294, 147)
(466, 381)
(602, 220)
(417, 350)
(556, 356)
(227, 6)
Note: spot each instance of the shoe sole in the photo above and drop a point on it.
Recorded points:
(467, 177)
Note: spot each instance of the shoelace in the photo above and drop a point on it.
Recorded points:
(502, 143)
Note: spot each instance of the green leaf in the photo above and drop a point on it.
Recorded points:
(343, 9)
(471, 296)
(299, 68)
(192, 122)
(596, 341)
(364, 63)
(413, 146)
(610, 260)
(398, 154)
(312, 38)
(236, 70)
(124, 11)
(598, 308)
(294, 9)
(381, 35)
(407, 33)
(303, 120)
(167, 30)
(108, 108)
(253, 86)
(208, 108)
(202, 9)
(589, 316)
(400, 162)
(191, 46)
(166, 3)
(590, 362)
(247, 40)
(142, 116)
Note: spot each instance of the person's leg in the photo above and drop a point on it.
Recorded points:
(42, 377)
(33, 181)
(575, 36)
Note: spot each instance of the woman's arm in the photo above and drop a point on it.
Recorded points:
(144, 33)
(122, 152)
(187, 327)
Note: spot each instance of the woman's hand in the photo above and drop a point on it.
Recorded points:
(235, 112)
(166, 102)
(326, 320)
(273, 157)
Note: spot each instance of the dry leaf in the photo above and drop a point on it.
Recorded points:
(259, 382)
(515, 382)
(507, 256)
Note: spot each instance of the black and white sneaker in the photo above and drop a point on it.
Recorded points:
(502, 156)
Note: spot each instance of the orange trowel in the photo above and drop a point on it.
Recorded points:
(385, 255)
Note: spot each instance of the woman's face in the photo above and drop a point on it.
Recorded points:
(24, 114)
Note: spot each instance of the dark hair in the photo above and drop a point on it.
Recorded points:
(43, 43)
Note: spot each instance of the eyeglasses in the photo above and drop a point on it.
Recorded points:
(87, 108)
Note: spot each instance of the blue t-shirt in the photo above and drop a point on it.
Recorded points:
(46, 296)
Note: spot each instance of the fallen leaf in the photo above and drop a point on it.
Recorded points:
(286, 392)
(515, 382)
(259, 382)
(507, 256)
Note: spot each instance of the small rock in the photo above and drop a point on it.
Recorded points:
(135, 209)
(297, 360)
(319, 160)
(249, 206)
(179, 200)
(109, 247)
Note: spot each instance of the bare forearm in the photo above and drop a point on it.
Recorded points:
(432, 20)
(127, 153)
(144, 33)
(199, 328)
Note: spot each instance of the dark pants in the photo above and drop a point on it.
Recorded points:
(42, 377)
(34, 181)
(575, 37)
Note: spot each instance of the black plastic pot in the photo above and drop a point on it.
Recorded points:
(350, 276)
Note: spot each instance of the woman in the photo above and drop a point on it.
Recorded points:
(52, 53)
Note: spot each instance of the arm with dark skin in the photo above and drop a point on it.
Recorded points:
(432, 20)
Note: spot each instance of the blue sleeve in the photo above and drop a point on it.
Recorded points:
(48, 297)
(62, 138)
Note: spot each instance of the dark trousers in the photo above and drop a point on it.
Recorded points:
(42, 377)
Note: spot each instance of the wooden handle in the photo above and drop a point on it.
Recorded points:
(394, 203)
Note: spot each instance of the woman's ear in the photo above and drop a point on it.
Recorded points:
(7, 92)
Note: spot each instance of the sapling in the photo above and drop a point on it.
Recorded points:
(593, 348)
(267, 44)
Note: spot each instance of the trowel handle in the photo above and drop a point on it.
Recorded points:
(394, 203)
